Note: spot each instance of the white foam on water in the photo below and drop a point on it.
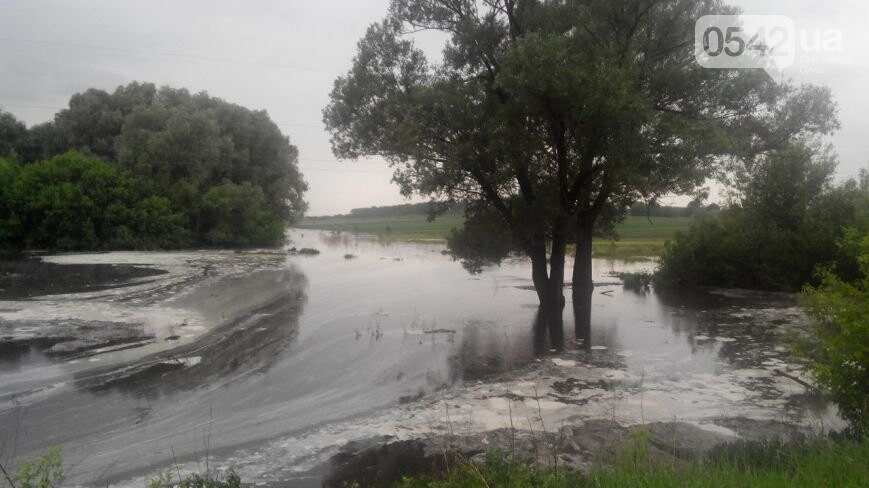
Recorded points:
(564, 363)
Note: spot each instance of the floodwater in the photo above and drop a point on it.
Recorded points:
(270, 362)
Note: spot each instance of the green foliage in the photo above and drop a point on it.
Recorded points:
(75, 202)
(837, 348)
(774, 465)
(237, 215)
(10, 226)
(790, 220)
(482, 240)
(46, 472)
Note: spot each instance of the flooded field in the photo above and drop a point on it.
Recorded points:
(271, 362)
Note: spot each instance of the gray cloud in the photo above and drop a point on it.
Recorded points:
(282, 56)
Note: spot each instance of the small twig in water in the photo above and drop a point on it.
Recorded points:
(534, 441)
(792, 377)
(6, 475)
(552, 448)
(177, 467)
(512, 430)
(480, 474)
(642, 410)
(449, 422)
(208, 442)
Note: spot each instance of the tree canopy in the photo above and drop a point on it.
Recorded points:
(548, 119)
(227, 173)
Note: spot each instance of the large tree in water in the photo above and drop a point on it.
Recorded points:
(548, 118)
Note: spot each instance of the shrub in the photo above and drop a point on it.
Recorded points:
(789, 221)
(638, 282)
(837, 350)
(227, 480)
(76, 202)
(238, 215)
(46, 472)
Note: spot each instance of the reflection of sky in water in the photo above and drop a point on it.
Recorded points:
(331, 348)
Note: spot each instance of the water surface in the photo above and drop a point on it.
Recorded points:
(270, 361)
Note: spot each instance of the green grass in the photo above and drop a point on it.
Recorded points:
(820, 463)
(639, 236)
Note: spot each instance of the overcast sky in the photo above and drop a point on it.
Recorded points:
(283, 55)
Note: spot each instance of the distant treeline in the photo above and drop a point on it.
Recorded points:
(405, 209)
(643, 210)
(144, 168)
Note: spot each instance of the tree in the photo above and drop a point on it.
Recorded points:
(191, 143)
(170, 148)
(12, 134)
(548, 119)
(10, 228)
(95, 117)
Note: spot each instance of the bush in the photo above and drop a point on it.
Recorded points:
(837, 350)
(789, 221)
(237, 215)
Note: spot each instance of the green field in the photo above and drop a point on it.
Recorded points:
(639, 236)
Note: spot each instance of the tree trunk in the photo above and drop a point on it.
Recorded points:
(583, 286)
(539, 273)
(553, 305)
(549, 284)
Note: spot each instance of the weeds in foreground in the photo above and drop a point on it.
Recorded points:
(170, 479)
(818, 462)
(45, 472)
